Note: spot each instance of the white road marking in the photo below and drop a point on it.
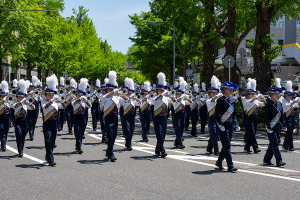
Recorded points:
(27, 156)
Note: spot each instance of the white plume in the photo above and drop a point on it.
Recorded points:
(161, 78)
(83, 84)
(4, 86)
(147, 86)
(175, 84)
(23, 86)
(73, 83)
(98, 83)
(277, 82)
(15, 83)
(183, 85)
(181, 79)
(289, 86)
(106, 81)
(112, 75)
(51, 82)
(130, 84)
(253, 84)
(214, 82)
(203, 86)
(126, 82)
(27, 84)
(196, 87)
(249, 85)
(62, 81)
(188, 86)
(35, 81)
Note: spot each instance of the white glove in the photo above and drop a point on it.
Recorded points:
(237, 128)
(269, 131)
(284, 129)
(222, 128)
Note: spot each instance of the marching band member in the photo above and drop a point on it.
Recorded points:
(4, 114)
(211, 102)
(111, 102)
(252, 105)
(15, 88)
(69, 112)
(128, 123)
(225, 112)
(95, 110)
(187, 111)
(121, 109)
(20, 110)
(273, 115)
(203, 111)
(50, 108)
(244, 98)
(102, 120)
(288, 106)
(179, 104)
(160, 103)
(175, 87)
(61, 109)
(281, 99)
(32, 114)
(80, 104)
(194, 106)
(145, 112)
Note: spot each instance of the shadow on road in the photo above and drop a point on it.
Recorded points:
(38, 147)
(32, 166)
(8, 157)
(208, 172)
(97, 162)
(149, 158)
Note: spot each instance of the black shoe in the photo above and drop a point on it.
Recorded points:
(257, 151)
(106, 142)
(79, 151)
(113, 159)
(247, 150)
(182, 139)
(202, 132)
(157, 154)
(220, 166)
(83, 137)
(181, 147)
(164, 155)
(233, 169)
(31, 139)
(175, 145)
(52, 164)
(284, 148)
(20, 155)
(3, 149)
(129, 149)
(195, 135)
(103, 141)
(293, 149)
(70, 133)
(216, 153)
(54, 146)
(218, 139)
(268, 163)
(209, 151)
(106, 155)
(94, 129)
(146, 140)
(59, 129)
(186, 129)
(280, 164)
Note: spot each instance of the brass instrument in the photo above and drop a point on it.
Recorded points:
(125, 91)
(89, 99)
(37, 92)
(10, 98)
(62, 92)
(31, 100)
(68, 81)
(14, 92)
(235, 94)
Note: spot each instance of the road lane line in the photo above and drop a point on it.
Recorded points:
(27, 156)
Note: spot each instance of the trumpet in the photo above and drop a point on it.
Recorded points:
(125, 91)
(31, 100)
(10, 98)
(235, 94)
(37, 92)
(89, 99)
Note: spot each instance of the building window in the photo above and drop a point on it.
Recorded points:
(280, 42)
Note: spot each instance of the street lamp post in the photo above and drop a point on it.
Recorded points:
(163, 22)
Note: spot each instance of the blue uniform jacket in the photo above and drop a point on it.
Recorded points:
(271, 112)
(222, 106)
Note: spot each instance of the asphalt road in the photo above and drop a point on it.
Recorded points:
(139, 174)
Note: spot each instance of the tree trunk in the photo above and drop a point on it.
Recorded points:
(208, 68)
(184, 68)
(28, 70)
(262, 67)
(39, 73)
(1, 70)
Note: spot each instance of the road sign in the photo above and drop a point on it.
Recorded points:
(242, 62)
(65, 75)
(189, 72)
(228, 61)
(242, 52)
